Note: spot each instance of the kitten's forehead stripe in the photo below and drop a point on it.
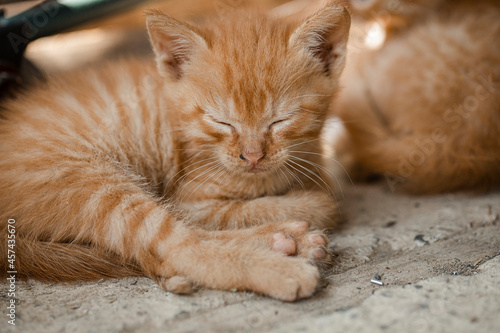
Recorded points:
(253, 59)
(250, 69)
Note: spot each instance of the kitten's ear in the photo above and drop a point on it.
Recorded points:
(174, 43)
(324, 36)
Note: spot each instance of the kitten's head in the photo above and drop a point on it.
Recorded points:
(249, 89)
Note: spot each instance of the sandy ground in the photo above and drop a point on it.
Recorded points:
(438, 257)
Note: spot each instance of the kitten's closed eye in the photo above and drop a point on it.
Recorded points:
(278, 123)
(275, 124)
(219, 123)
(226, 124)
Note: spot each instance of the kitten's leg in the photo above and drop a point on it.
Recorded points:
(98, 204)
(315, 207)
(255, 259)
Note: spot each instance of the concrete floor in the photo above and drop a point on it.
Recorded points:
(438, 257)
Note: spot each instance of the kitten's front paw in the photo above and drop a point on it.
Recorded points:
(297, 241)
(287, 278)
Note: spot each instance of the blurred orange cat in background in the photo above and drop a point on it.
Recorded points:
(421, 103)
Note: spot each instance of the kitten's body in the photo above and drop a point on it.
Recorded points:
(123, 165)
(423, 109)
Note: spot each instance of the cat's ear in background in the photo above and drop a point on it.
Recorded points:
(324, 35)
(174, 42)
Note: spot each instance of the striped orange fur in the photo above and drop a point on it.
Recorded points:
(196, 171)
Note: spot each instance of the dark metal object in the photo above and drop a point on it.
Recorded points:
(45, 19)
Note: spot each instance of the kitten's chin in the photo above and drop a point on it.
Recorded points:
(253, 170)
(257, 170)
(264, 168)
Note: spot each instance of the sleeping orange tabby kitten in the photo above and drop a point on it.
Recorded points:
(204, 171)
(423, 108)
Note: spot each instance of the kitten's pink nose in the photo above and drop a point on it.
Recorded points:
(252, 157)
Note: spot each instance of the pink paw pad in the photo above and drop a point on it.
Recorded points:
(283, 244)
(317, 240)
(317, 253)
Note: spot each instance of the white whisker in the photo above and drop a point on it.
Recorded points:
(327, 190)
(181, 170)
(281, 175)
(188, 173)
(328, 172)
(201, 174)
(219, 168)
(297, 178)
(330, 158)
(224, 172)
(195, 149)
(302, 143)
